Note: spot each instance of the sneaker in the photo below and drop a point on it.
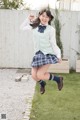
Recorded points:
(42, 88)
(60, 84)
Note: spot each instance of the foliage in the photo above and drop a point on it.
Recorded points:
(10, 4)
(58, 30)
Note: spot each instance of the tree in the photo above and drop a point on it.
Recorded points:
(10, 4)
(58, 30)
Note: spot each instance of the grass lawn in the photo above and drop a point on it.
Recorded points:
(58, 105)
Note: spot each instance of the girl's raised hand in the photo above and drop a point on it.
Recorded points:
(31, 18)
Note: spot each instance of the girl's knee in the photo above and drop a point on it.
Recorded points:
(40, 75)
(34, 76)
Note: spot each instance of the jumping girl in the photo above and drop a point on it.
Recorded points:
(46, 51)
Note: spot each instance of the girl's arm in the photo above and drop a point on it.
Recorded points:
(26, 24)
(56, 49)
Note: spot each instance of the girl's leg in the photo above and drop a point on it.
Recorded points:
(43, 74)
(34, 73)
(41, 82)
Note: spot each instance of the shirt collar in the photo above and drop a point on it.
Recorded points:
(44, 25)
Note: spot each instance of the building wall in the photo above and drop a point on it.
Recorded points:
(70, 35)
(16, 47)
(73, 5)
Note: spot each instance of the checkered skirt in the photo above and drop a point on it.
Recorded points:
(40, 59)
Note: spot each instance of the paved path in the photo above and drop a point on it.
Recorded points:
(15, 97)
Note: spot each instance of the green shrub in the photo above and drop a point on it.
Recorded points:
(58, 30)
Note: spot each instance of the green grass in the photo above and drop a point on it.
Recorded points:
(58, 105)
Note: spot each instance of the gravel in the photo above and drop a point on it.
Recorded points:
(15, 97)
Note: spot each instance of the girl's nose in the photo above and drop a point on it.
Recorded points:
(44, 19)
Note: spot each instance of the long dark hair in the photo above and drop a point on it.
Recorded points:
(36, 22)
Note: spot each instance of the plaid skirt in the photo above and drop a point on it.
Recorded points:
(40, 59)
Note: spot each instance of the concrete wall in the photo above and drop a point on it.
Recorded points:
(70, 35)
(16, 46)
(71, 5)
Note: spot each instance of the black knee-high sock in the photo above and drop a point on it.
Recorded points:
(42, 83)
(54, 78)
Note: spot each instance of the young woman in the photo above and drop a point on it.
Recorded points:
(45, 48)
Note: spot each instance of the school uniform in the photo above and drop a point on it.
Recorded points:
(46, 50)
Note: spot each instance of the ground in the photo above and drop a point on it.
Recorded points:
(15, 97)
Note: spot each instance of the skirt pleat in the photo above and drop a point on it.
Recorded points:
(40, 59)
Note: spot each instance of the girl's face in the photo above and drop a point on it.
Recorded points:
(44, 19)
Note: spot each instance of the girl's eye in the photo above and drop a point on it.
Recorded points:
(44, 16)
(47, 17)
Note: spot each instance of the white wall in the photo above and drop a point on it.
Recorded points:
(71, 5)
(16, 47)
(70, 35)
